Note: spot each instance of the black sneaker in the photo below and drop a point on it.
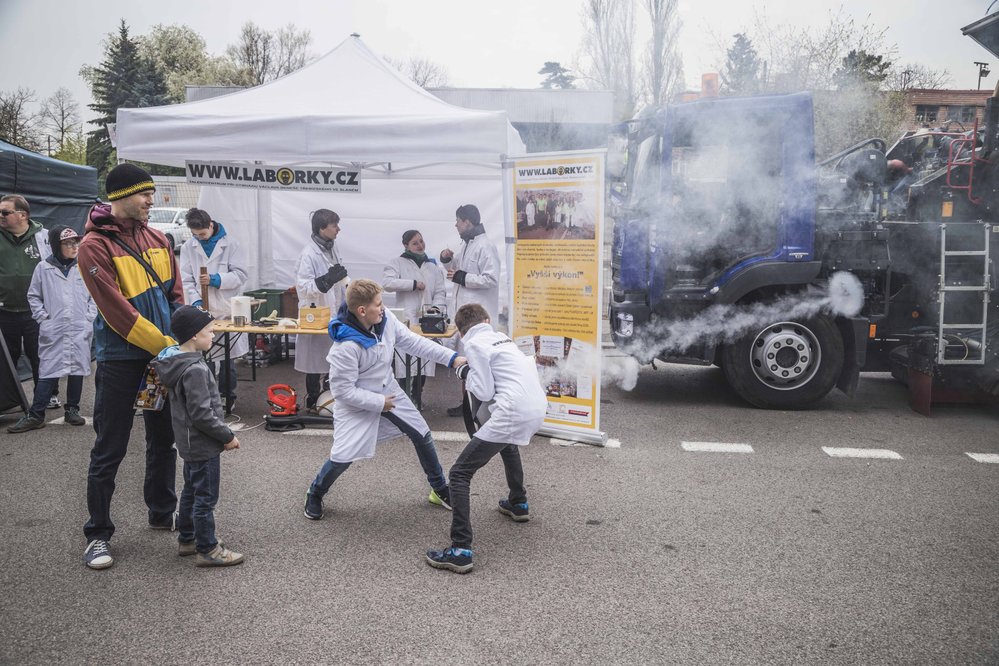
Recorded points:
(73, 417)
(517, 512)
(458, 560)
(170, 524)
(313, 507)
(98, 555)
(455, 411)
(26, 423)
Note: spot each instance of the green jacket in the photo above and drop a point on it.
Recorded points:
(18, 258)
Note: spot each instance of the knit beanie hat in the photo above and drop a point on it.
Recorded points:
(187, 321)
(127, 179)
(57, 235)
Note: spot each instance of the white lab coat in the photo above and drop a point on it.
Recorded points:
(480, 261)
(65, 313)
(311, 350)
(501, 374)
(398, 276)
(359, 381)
(229, 261)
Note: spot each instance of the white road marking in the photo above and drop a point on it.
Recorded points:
(984, 457)
(716, 447)
(62, 421)
(847, 452)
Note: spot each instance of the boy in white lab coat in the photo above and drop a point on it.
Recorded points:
(370, 406)
(499, 374)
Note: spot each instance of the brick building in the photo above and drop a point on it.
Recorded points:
(934, 108)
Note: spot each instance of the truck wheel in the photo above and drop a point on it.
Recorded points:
(785, 365)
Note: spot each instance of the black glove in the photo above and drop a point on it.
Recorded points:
(459, 277)
(462, 372)
(332, 276)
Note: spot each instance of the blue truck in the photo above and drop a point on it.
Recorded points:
(722, 210)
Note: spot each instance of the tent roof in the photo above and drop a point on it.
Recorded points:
(42, 179)
(348, 106)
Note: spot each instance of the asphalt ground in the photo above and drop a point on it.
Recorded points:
(647, 553)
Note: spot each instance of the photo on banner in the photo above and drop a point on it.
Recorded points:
(556, 259)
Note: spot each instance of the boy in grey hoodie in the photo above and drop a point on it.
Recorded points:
(201, 434)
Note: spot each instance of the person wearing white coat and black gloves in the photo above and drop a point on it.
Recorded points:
(417, 280)
(474, 269)
(225, 258)
(320, 280)
(65, 313)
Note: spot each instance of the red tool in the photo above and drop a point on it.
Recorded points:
(282, 399)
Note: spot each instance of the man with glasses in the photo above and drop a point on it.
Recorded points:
(22, 247)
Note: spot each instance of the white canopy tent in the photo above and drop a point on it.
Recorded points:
(420, 158)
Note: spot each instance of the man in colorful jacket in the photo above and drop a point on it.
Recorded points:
(133, 326)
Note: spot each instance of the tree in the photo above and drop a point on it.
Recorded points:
(915, 76)
(741, 75)
(123, 80)
(608, 50)
(422, 71)
(18, 123)
(861, 68)
(61, 115)
(663, 65)
(73, 147)
(556, 76)
(264, 56)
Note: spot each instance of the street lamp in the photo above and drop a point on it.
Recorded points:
(983, 71)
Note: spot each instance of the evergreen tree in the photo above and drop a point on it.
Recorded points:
(556, 76)
(741, 73)
(124, 79)
(861, 68)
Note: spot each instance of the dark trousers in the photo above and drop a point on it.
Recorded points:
(116, 384)
(314, 385)
(196, 519)
(474, 456)
(20, 332)
(46, 388)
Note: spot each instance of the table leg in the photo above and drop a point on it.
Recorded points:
(225, 368)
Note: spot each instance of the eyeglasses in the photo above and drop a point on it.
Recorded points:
(5, 213)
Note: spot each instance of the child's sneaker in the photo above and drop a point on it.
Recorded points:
(72, 417)
(441, 497)
(186, 548)
(458, 560)
(97, 555)
(219, 557)
(517, 512)
(313, 506)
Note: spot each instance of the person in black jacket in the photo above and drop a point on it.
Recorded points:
(200, 432)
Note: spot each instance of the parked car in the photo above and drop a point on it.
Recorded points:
(172, 223)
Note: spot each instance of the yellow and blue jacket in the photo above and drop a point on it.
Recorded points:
(134, 319)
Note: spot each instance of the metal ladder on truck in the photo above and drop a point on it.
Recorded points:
(959, 285)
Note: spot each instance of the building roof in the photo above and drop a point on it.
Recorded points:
(925, 96)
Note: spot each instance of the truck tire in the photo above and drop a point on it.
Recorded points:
(785, 365)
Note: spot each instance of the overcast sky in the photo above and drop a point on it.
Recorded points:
(482, 44)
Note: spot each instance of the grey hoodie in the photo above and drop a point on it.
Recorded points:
(195, 405)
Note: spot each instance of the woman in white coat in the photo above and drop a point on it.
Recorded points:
(320, 279)
(417, 280)
(226, 260)
(65, 313)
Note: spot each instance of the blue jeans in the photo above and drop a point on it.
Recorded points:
(46, 388)
(426, 452)
(196, 519)
(116, 384)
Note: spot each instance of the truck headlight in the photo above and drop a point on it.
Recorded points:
(625, 324)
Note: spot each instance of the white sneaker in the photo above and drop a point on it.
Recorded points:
(54, 402)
